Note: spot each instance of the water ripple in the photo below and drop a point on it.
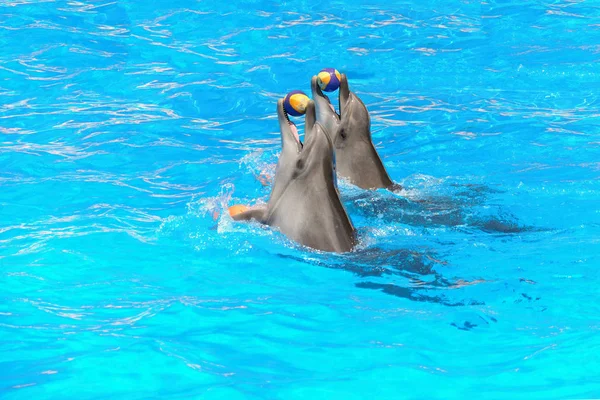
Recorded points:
(126, 130)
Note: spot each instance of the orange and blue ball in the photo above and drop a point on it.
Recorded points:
(295, 103)
(329, 79)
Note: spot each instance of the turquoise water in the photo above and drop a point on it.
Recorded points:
(127, 128)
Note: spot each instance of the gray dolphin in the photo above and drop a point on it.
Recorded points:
(356, 157)
(304, 202)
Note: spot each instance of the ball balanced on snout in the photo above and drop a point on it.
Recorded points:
(329, 79)
(295, 103)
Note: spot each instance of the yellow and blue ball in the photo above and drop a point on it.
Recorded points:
(329, 79)
(295, 103)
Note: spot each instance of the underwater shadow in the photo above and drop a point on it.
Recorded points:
(416, 267)
(430, 211)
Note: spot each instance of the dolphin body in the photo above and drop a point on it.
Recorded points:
(356, 157)
(304, 203)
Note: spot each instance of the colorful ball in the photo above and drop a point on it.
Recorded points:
(329, 79)
(295, 103)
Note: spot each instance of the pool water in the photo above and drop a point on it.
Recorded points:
(127, 129)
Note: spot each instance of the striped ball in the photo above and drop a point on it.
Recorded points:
(295, 103)
(329, 79)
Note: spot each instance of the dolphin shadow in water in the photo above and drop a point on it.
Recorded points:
(417, 267)
(304, 202)
(454, 211)
(390, 207)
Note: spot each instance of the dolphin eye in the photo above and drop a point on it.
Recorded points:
(343, 134)
(300, 163)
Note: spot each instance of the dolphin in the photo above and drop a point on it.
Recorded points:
(304, 202)
(356, 157)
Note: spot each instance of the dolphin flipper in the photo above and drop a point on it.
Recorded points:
(257, 213)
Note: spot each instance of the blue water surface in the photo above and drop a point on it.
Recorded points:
(128, 127)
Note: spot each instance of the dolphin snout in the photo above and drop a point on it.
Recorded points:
(313, 84)
(289, 132)
(323, 103)
(344, 93)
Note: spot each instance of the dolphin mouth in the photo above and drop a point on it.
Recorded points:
(289, 131)
(293, 130)
(319, 92)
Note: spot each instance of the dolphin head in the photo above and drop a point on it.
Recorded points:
(297, 160)
(291, 146)
(352, 125)
(355, 122)
(316, 161)
(350, 130)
